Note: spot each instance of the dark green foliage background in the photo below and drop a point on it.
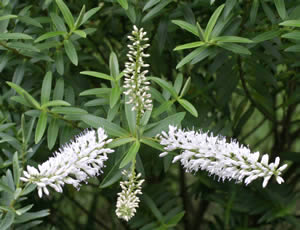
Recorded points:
(247, 91)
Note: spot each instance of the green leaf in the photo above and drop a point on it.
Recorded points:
(280, 6)
(165, 85)
(52, 132)
(71, 51)
(293, 35)
(266, 36)
(46, 88)
(188, 106)
(156, 10)
(7, 36)
(233, 39)
(80, 33)
(293, 23)
(294, 48)
(98, 75)
(114, 96)
(41, 127)
(66, 13)
(253, 11)
(185, 87)
(80, 17)
(152, 206)
(68, 110)
(229, 4)
(150, 3)
(58, 22)
(186, 26)
(55, 103)
(59, 62)
(49, 35)
(7, 221)
(234, 48)
(113, 65)
(22, 46)
(58, 93)
(162, 108)
(200, 31)
(21, 211)
(120, 141)
(96, 91)
(152, 143)
(89, 14)
(175, 219)
(212, 21)
(5, 187)
(190, 45)
(16, 169)
(30, 21)
(190, 56)
(6, 17)
(124, 4)
(204, 54)
(111, 128)
(130, 116)
(163, 125)
(130, 155)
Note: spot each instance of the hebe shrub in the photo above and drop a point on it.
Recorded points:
(108, 95)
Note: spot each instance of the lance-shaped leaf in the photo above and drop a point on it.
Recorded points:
(186, 26)
(41, 126)
(131, 154)
(66, 13)
(212, 21)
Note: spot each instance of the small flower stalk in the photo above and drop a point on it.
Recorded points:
(128, 200)
(227, 160)
(72, 164)
(136, 84)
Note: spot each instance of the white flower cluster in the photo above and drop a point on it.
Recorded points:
(135, 82)
(73, 163)
(213, 154)
(128, 200)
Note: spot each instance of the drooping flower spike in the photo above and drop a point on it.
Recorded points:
(72, 164)
(227, 160)
(128, 200)
(136, 83)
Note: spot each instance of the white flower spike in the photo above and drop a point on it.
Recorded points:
(232, 161)
(128, 200)
(136, 83)
(73, 163)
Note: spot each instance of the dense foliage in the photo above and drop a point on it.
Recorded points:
(228, 67)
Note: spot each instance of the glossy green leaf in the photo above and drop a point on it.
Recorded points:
(130, 116)
(162, 108)
(294, 48)
(97, 74)
(233, 39)
(156, 10)
(204, 54)
(16, 169)
(280, 6)
(212, 22)
(114, 65)
(7, 221)
(175, 219)
(120, 141)
(59, 62)
(188, 106)
(185, 87)
(96, 91)
(293, 23)
(186, 26)
(152, 143)
(266, 36)
(165, 85)
(30, 21)
(293, 35)
(6, 17)
(154, 209)
(89, 14)
(235, 48)
(52, 132)
(8, 36)
(46, 88)
(109, 127)
(229, 4)
(131, 154)
(56, 103)
(71, 51)
(66, 13)
(80, 33)
(253, 11)
(80, 17)
(150, 4)
(190, 56)
(58, 92)
(58, 22)
(190, 45)
(114, 96)
(68, 110)
(41, 126)
(123, 3)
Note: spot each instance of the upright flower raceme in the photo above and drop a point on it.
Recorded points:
(73, 163)
(228, 160)
(128, 199)
(135, 82)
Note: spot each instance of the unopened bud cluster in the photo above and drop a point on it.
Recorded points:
(73, 163)
(128, 200)
(135, 82)
(227, 160)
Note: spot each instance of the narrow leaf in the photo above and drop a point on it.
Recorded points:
(97, 74)
(7, 36)
(46, 88)
(156, 10)
(280, 6)
(188, 106)
(66, 13)
(52, 133)
(212, 21)
(130, 154)
(186, 26)
(124, 4)
(41, 127)
(190, 45)
(190, 57)
(165, 85)
(235, 48)
(71, 51)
